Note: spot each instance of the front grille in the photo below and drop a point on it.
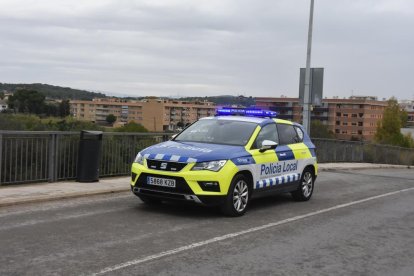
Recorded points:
(162, 194)
(165, 165)
(181, 185)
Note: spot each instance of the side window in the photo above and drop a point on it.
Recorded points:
(287, 134)
(300, 134)
(268, 132)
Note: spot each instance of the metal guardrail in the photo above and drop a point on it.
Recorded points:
(330, 150)
(38, 156)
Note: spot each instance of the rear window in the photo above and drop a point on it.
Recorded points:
(287, 134)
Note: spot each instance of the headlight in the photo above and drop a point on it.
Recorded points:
(139, 159)
(214, 166)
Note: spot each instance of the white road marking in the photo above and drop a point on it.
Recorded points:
(247, 231)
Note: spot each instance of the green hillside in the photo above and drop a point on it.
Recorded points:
(52, 91)
(225, 100)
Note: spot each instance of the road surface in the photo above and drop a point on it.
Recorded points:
(358, 222)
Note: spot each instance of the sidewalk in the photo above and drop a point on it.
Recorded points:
(37, 192)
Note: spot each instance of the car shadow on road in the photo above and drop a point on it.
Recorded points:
(190, 210)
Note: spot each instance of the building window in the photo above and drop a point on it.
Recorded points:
(354, 115)
(338, 114)
(360, 123)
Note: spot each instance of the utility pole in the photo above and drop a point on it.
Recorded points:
(307, 93)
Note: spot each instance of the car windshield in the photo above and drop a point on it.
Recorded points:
(218, 132)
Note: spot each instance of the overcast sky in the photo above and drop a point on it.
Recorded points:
(205, 48)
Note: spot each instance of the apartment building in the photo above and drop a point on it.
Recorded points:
(153, 113)
(408, 106)
(349, 119)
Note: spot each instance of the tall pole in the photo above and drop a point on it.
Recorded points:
(307, 92)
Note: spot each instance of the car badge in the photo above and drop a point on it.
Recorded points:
(163, 166)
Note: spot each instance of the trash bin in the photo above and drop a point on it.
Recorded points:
(90, 147)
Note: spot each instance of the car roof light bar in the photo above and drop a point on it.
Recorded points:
(246, 112)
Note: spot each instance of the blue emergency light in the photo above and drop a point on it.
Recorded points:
(246, 112)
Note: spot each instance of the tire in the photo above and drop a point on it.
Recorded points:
(306, 186)
(238, 197)
(149, 200)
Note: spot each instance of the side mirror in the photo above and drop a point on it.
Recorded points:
(267, 145)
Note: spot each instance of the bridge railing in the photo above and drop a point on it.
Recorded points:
(330, 150)
(30, 156)
(39, 156)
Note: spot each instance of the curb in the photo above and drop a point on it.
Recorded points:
(47, 198)
(58, 197)
(363, 167)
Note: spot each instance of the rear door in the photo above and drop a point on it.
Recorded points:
(292, 153)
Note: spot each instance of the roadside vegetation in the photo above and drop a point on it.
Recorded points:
(29, 110)
(389, 128)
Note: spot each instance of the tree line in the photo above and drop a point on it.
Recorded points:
(34, 102)
(52, 91)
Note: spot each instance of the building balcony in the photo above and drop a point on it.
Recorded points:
(320, 109)
(320, 118)
(281, 108)
(285, 116)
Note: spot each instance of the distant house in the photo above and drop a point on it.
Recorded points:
(3, 105)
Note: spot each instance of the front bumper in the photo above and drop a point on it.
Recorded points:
(187, 184)
(203, 200)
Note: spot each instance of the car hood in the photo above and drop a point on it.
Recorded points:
(188, 152)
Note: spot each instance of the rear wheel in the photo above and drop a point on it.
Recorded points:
(238, 197)
(149, 200)
(305, 189)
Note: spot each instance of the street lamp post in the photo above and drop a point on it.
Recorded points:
(307, 93)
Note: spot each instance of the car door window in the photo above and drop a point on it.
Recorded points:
(268, 132)
(299, 133)
(287, 134)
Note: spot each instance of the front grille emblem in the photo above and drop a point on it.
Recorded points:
(163, 166)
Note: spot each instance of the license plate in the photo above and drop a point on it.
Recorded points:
(161, 182)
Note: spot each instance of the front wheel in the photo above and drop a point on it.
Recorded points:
(305, 189)
(238, 197)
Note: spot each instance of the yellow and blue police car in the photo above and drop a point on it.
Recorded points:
(227, 160)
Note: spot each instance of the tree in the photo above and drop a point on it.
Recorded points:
(51, 110)
(319, 130)
(389, 128)
(110, 119)
(131, 127)
(27, 101)
(180, 124)
(64, 108)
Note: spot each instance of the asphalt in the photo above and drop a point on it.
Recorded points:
(38, 192)
(358, 222)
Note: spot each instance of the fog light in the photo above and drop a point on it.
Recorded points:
(209, 186)
(133, 177)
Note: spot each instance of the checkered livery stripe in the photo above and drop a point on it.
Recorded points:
(171, 158)
(270, 182)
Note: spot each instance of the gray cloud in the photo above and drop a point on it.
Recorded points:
(184, 47)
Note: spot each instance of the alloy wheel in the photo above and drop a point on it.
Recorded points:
(307, 184)
(240, 196)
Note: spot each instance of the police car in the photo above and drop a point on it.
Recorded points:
(227, 160)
